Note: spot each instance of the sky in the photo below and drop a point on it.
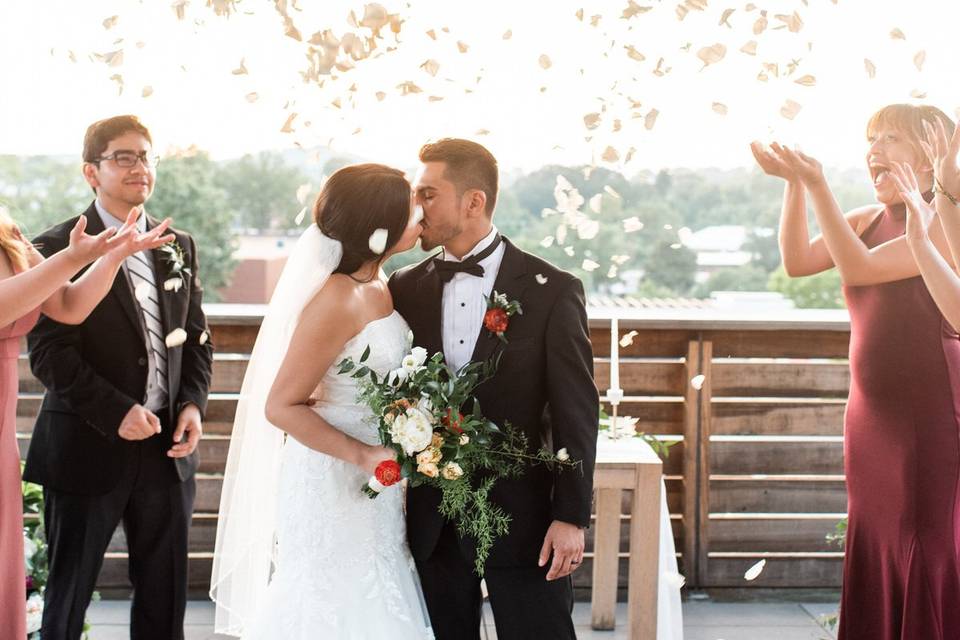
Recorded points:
(524, 78)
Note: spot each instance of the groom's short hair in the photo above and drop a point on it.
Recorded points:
(468, 166)
(102, 132)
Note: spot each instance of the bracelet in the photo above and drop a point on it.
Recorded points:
(939, 188)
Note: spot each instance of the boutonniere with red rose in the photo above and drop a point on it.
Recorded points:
(499, 311)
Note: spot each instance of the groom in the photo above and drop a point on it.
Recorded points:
(544, 386)
(116, 436)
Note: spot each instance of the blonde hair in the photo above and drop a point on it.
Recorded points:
(11, 241)
(908, 119)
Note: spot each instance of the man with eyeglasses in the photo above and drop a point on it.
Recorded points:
(115, 440)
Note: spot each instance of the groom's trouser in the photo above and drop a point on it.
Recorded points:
(155, 508)
(525, 605)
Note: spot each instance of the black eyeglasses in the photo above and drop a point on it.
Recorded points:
(127, 159)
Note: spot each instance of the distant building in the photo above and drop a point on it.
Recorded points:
(260, 260)
(719, 247)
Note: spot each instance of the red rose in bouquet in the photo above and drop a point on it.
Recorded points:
(451, 422)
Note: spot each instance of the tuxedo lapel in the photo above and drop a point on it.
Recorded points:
(430, 299)
(510, 282)
(120, 289)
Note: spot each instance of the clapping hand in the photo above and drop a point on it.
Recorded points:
(128, 241)
(920, 214)
(941, 152)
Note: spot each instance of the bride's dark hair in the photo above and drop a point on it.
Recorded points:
(356, 201)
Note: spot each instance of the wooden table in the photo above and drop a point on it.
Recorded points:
(627, 463)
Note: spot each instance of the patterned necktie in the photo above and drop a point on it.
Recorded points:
(141, 275)
(447, 268)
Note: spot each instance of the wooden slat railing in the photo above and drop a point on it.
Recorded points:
(757, 471)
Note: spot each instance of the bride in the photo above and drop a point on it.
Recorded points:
(301, 552)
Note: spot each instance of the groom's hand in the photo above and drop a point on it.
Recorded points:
(566, 542)
(189, 423)
(139, 424)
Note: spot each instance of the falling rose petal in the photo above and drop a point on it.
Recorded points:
(569, 251)
(610, 155)
(380, 96)
(676, 245)
(897, 34)
(612, 271)
(146, 92)
(110, 22)
(650, 119)
(632, 224)
(589, 265)
(204, 336)
(378, 241)
(580, 15)
(918, 94)
(791, 22)
(610, 190)
(288, 125)
(547, 242)
(596, 202)
(111, 59)
(142, 291)
(462, 46)
(712, 54)
(588, 230)
(919, 59)
(790, 109)
(760, 25)
(406, 88)
(300, 216)
(754, 572)
(119, 80)
(432, 34)
(253, 96)
(724, 17)
(431, 66)
(591, 120)
(481, 132)
(175, 338)
(595, 20)
(633, 9)
(540, 278)
(544, 61)
(806, 81)
(627, 339)
(682, 12)
(172, 284)
(242, 69)
(697, 381)
(750, 48)
(633, 54)
(507, 34)
(435, 99)
(719, 107)
(870, 67)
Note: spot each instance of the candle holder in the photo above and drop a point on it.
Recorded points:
(614, 397)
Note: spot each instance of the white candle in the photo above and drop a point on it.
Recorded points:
(614, 354)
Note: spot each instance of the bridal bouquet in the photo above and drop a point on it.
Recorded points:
(419, 408)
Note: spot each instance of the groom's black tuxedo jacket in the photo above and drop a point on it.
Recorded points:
(96, 371)
(544, 386)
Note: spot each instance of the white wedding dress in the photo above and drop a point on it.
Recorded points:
(343, 569)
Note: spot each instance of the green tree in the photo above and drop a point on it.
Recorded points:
(41, 191)
(672, 267)
(262, 190)
(749, 277)
(188, 192)
(820, 291)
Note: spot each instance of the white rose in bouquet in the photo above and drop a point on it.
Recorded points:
(413, 362)
(412, 431)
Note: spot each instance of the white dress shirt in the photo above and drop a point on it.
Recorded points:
(464, 304)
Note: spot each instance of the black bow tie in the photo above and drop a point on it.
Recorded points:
(447, 268)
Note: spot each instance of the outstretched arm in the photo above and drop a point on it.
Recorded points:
(857, 264)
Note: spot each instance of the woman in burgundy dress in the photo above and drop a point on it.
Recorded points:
(30, 285)
(902, 426)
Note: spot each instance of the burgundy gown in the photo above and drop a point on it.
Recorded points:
(902, 459)
(12, 578)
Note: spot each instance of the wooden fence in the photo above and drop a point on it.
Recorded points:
(757, 471)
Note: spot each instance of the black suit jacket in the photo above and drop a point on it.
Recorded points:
(96, 371)
(544, 386)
